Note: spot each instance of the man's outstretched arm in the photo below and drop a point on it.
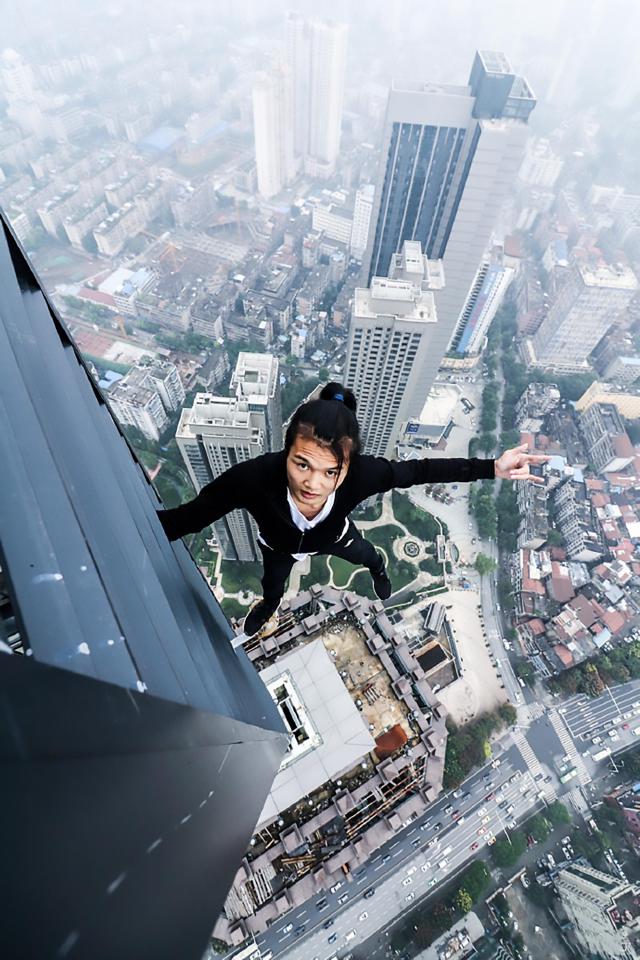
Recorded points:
(217, 498)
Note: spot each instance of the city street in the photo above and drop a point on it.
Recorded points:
(432, 849)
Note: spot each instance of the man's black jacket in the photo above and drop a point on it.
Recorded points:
(260, 486)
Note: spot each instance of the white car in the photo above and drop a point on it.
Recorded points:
(350, 935)
(425, 867)
(363, 916)
(336, 887)
(411, 871)
(406, 881)
(288, 928)
(410, 896)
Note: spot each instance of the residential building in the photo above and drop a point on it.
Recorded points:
(608, 445)
(393, 325)
(256, 379)
(585, 308)
(541, 167)
(603, 910)
(627, 404)
(136, 402)
(485, 296)
(536, 402)
(213, 435)
(316, 52)
(273, 130)
(361, 220)
(450, 154)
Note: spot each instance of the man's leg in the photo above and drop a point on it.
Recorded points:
(276, 567)
(354, 548)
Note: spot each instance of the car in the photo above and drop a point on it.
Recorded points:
(437, 826)
(625, 726)
(442, 864)
(414, 843)
(458, 793)
(369, 893)
(482, 811)
(363, 916)
(566, 840)
(411, 871)
(386, 858)
(343, 899)
(425, 867)
(491, 839)
(448, 808)
(299, 930)
(322, 904)
(328, 923)
(628, 714)
(511, 825)
(461, 819)
(332, 938)
(495, 763)
(481, 831)
(486, 819)
(510, 809)
(490, 796)
(614, 734)
(410, 896)
(475, 845)
(499, 796)
(407, 881)
(432, 882)
(336, 886)
(288, 928)
(524, 880)
(455, 814)
(597, 740)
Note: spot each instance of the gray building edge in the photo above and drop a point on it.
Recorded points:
(137, 747)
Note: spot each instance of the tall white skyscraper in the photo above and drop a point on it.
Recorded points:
(218, 432)
(450, 154)
(361, 220)
(589, 303)
(316, 52)
(273, 130)
(393, 325)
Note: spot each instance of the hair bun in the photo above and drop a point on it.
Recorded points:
(347, 396)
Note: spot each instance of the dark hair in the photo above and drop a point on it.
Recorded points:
(330, 421)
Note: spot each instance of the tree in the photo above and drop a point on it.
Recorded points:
(508, 714)
(554, 538)
(475, 879)
(558, 813)
(526, 671)
(506, 853)
(463, 901)
(484, 564)
(538, 828)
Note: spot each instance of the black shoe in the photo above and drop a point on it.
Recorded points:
(381, 582)
(258, 616)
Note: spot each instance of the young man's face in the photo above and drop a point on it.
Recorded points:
(313, 469)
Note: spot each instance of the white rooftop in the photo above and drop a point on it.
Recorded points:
(335, 725)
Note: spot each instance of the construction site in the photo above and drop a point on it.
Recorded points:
(366, 757)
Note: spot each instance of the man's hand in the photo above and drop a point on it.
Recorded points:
(514, 464)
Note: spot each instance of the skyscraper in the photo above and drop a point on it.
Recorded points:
(218, 432)
(273, 130)
(449, 155)
(393, 324)
(316, 52)
(136, 729)
(589, 303)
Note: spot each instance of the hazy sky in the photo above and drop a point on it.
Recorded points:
(577, 51)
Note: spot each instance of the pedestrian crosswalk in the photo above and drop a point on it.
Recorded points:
(536, 709)
(533, 764)
(569, 746)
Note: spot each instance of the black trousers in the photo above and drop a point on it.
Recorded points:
(352, 547)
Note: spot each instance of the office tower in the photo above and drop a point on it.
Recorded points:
(316, 52)
(273, 130)
(450, 154)
(393, 325)
(135, 730)
(585, 308)
(485, 296)
(256, 379)
(603, 911)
